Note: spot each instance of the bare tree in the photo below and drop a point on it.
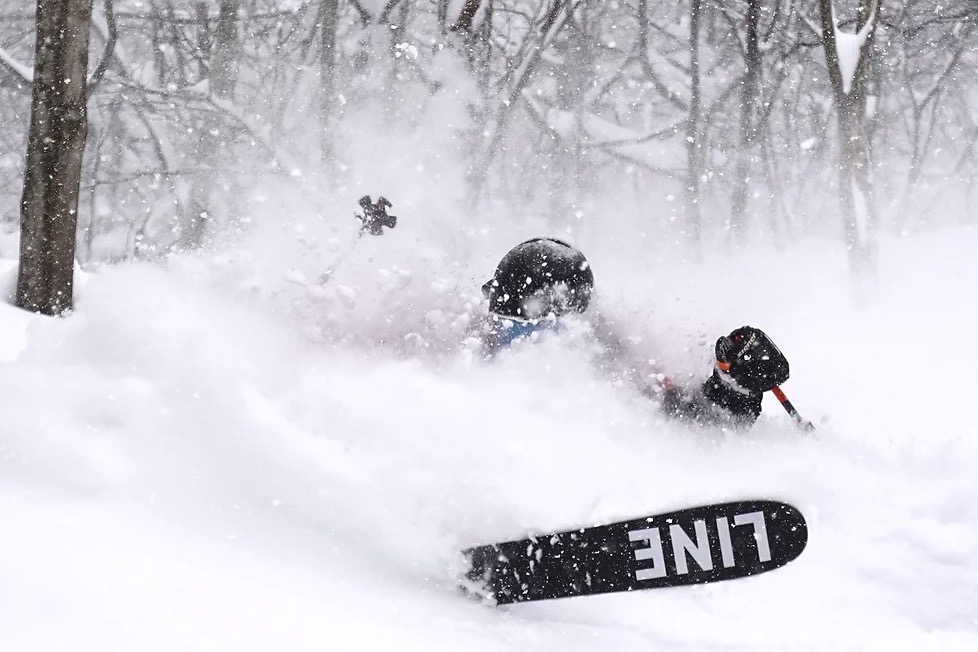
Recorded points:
(847, 56)
(56, 142)
(749, 91)
(466, 16)
(694, 133)
(550, 20)
(328, 24)
(221, 73)
(476, 41)
(927, 87)
(643, 97)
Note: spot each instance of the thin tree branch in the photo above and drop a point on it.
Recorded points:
(467, 16)
(110, 35)
(385, 13)
(365, 16)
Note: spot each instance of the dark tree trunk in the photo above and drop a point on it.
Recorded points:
(553, 21)
(746, 159)
(329, 12)
(573, 75)
(221, 73)
(56, 142)
(224, 61)
(466, 17)
(203, 38)
(159, 59)
(694, 135)
(477, 41)
(441, 9)
(857, 199)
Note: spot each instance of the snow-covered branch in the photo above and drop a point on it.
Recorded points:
(844, 50)
(849, 46)
(648, 151)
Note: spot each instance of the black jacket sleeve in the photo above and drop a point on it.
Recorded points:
(745, 407)
(713, 403)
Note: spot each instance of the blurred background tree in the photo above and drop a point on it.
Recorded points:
(706, 122)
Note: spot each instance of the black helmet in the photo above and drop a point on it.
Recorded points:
(538, 277)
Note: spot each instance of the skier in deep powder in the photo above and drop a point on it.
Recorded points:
(540, 282)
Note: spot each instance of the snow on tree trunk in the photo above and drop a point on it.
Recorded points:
(56, 143)
(847, 57)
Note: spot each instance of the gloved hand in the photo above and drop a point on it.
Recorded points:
(749, 361)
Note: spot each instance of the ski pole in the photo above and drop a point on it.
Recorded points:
(799, 420)
(372, 221)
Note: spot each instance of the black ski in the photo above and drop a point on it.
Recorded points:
(690, 546)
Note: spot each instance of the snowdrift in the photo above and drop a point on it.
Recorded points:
(208, 456)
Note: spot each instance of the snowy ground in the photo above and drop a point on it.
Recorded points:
(206, 456)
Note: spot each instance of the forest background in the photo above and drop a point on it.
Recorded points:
(695, 123)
